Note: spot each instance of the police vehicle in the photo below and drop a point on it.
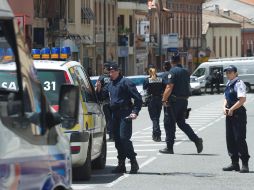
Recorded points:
(245, 69)
(88, 137)
(34, 153)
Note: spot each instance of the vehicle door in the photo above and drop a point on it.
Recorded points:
(24, 133)
(201, 75)
(91, 107)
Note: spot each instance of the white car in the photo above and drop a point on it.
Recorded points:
(88, 137)
(138, 80)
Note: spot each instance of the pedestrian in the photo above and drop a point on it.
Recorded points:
(104, 80)
(236, 120)
(154, 87)
(121, 91)
(218, 77)
(208, 83)
(175, 102)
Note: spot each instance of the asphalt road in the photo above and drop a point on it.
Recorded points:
(185, 169)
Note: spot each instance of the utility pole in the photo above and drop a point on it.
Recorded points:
(104, 34)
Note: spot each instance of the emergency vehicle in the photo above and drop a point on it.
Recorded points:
(88, 137)
(34, 153)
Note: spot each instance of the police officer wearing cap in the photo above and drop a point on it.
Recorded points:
(121, 90)
(236, 120)
(104, 80)
(154, 87)
(175, 102)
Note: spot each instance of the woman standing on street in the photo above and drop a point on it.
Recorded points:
(236, 120)
(154, 87)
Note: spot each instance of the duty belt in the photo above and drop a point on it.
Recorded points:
(180, 97)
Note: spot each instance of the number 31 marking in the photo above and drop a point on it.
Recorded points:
(49, 86)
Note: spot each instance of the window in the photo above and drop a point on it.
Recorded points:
(71, 11)
(51, 81)
(214, 45)
(236, 45)
(220, 47)
(200, 72)
(226, 46)
(80, 78)
(231, 46)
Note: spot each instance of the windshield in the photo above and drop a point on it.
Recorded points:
(199, 72)
(51, 81)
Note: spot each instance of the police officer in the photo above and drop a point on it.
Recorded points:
(175, 102)
(154, 87)
(104, 81)
(236, 120)
(121, 90)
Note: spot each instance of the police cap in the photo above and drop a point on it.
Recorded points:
(106, 65)
(114, 66)
(230, 68)
(151, 66)
(175, 58)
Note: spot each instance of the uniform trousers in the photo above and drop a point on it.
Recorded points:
(236, 135)
(154, 109)
(122, 130)
(173, 114)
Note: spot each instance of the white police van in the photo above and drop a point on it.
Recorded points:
(245, 69)
(88, 137)
(34, 153)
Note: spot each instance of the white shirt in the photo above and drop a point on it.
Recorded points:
(240, 87)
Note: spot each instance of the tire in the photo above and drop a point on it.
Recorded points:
(248, 89)
(100, 162)
(84, 172)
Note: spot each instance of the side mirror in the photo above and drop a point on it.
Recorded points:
(69, 105)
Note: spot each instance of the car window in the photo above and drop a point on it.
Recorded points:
(137, 81)
(200, 72)
(51, 81)
(80, 79)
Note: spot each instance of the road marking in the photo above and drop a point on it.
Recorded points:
(115, 158)
(127, 175)
(141, 150)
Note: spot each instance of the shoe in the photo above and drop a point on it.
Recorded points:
(167, 151)
(120, 168)
(245, 168)
(134, 166)
(156, 138)
(199, 145)
(232, 167)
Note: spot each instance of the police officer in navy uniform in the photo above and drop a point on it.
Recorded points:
(175, 102)
(121, 90)
(104, 81)
(236, 120)
(154, 87)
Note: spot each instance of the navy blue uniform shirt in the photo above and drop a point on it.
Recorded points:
(104, 80)
(154, 87)
(181, 80)
(121, 91)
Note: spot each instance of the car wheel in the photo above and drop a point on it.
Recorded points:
(248, 89)
(100, 162)
(84, 172)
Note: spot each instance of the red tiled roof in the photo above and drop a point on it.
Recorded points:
(251, 2)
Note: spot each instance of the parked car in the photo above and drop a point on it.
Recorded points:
(88, 137)
(138, 80)
(195, 86)
(34, 153)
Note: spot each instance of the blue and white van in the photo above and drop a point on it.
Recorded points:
(34, 153)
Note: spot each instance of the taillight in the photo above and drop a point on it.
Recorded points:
(55, 107)
(68, 81)
(75, 149)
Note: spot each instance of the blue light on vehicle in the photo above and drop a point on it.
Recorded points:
(36, 53)
(65, 52)
(45, 52)
(55, 53)
(8, 55)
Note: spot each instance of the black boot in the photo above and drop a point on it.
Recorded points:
(167, 150)
(245, 168)
(199, 145)
(120, 168)
(134, 166)
(233, 166)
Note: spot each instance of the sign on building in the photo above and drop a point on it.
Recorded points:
(173, 40)
(144, 27)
